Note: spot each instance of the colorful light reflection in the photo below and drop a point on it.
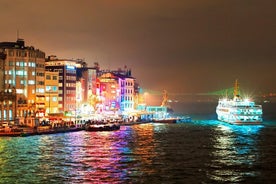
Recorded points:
(235, 151)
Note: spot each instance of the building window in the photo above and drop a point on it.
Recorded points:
(31, 64)
(54, 88)
(40, 82)
(11, 53)
(31, 82)
(21, 72)
(48, 88)
(19, 91)
(40, 90)
(48, 77)
(10, 114)
(23, 82)
(11, 63)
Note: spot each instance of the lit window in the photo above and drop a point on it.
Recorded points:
(23, 82)
(19, 91)
(40, 90)
(48, 88)
(31, 82)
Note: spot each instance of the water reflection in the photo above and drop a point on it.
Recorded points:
(80, 157)
(114, 157)
(144, 148)
(98, 158)
(235, 153)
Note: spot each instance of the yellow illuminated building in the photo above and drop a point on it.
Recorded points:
(51, 92)
(23, 70)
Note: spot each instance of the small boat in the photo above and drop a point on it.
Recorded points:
(102, 127)
(239, 111)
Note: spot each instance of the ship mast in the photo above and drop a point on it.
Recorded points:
(236, 89)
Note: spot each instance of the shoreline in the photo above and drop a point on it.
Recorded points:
(32, 132)
(44, 130)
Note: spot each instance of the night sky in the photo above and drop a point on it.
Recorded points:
(183, 46)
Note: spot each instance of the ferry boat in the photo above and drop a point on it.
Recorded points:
(239, 111)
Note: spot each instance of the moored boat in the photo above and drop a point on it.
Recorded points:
(239, 111)
(93, 127)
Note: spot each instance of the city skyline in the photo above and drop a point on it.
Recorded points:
(180, 46)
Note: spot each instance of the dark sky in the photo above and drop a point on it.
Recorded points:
(183, 46)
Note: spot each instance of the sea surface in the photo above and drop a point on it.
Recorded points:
(203, 151)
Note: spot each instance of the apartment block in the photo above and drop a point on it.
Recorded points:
(22, 70)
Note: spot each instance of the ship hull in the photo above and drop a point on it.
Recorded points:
(225, 115)
(241, 122)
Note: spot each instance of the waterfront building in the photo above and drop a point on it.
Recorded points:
(117, 91)
(51, 93)
(108, 93)
(7, 97)
(127, 93)
(86, 86)
(66, 69)
(22, 71)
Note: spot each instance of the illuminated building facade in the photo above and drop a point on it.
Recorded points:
(7, 97)
(23, 70)
(86, 89)
(117, 90)
(109, 92)
(86, 76)
(51, 92)
(67, 82)
(127, 93)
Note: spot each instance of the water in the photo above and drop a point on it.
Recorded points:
(205, 151)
